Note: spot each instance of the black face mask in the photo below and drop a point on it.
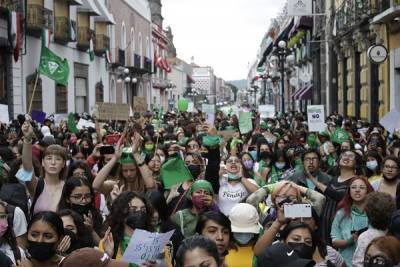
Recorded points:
(265, 155)
(41, 251)
(137, 220)
(74, 240)
(302, 250)
(194, 170)
(81, 209)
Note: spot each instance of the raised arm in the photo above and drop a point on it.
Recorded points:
(143, 168)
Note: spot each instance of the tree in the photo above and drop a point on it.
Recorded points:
(234, 90)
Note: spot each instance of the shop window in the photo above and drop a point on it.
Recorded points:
(37, 99)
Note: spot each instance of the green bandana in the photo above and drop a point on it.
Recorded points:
(127, 156)
(183, 141)
(211, 141)
(201, 184)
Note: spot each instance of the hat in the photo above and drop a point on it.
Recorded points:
(201, 184)
(395, 224)
(45, 130)
(244, 219)
(282, 255)
(90, 257)
(127, 156)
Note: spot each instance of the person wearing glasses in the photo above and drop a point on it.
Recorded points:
(349, 166)
(351, 219)
(78, 195)
(311, 161)
(192, 146)
(234, 187)
(390, 177)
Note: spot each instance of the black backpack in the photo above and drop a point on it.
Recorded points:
(15, 194)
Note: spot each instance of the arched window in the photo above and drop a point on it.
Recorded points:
(113, 93)
(148, 48)
(99, 92)
(37, 100)
(123, 36)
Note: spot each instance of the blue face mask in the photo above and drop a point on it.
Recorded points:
(243, 238)
(280, 165)
(372, 165)
(253, 154)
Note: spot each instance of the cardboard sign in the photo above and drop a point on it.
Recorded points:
(266, 111)
(139, 104)
(316, 118)
(4, 117)
(145, 246)
(113, 111)
(226, 134)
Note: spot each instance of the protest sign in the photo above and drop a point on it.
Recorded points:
(391, 121)
(266, 111)
(85, 124)
(139, 104)
(145, 246)
(190, 107)
(113, 111)
(245, 122)
(4, 117)
(209, 110)
(38, 115)
(59, 117)
(316, 118)
(210, 118)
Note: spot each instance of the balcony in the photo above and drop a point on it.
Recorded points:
(38, 18)
(83, 40)
(61, 33)
(118, 57)
(387, 11)
(137, 61)
(102, 44)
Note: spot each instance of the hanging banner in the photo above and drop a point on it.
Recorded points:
(299, 7)
(316, 118)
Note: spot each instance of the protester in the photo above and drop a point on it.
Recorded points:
(382, 251)
(390, 177)
(198, 251)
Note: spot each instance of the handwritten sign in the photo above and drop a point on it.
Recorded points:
(113, 111)
(139, 104)
(85, 124)
(266, 111)
(316, 118)
(4, 117)
(60, 117)
(145, 246)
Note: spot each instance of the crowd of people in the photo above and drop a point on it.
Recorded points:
(74, 197)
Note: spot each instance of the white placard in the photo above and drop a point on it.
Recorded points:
(85, 124)
(316, 118)
(210, 118)
(266, 111)
(190, 107)
(299, 7)
(391, 121)
(145, 246)
(59, 117)
(207, 108)
(4, 118)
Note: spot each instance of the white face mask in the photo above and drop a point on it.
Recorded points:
(280, 165)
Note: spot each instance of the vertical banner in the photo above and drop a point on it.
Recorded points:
(316, 118)
(299, 7)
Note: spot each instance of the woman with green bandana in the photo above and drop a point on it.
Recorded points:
(130, 211)
(201, 196)
(134, 174)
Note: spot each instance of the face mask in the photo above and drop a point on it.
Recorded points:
(74, 240)
(280, 165)
(137, 220)
(198, 202)
(194, 170)
(372, 165)
(233, 176)
(3, 227)
(41, 251)
(265, 154)
(248, 164)
(81, 209)
(243, 238)
(302, 250)
(149, 147)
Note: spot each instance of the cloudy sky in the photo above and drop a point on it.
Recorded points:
(223, 34)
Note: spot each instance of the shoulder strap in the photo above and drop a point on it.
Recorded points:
(38, 191)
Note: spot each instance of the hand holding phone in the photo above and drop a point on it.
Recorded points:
(107, 150)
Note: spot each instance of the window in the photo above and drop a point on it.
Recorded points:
(37, 100)
(140, 44)
(3, 79)
(99, 92)
(80, 95)
(133, 46)
(123, 36)
(113, 93)
(147, 48)
(61, 99)
(125, 93)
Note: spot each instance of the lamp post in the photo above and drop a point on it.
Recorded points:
(127, 78)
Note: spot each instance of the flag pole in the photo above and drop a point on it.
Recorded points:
(33, 93)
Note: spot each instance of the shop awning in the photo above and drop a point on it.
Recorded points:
(267, 51)
(105, 16)
(297, 92)
(283, 35)
(89, 7)
(306, 94)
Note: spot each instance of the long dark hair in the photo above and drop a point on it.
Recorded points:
(194, 242)
(119, 212)
(77, 164)
(85, 238)
(9, 236)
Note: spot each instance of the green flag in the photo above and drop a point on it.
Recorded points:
(245, 122)
(91, 50)
(174, 172)
(53, 66)
(71, 123)
(339, 136)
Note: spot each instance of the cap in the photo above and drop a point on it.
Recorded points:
(282, 255)
(90, 257)
(244, 219)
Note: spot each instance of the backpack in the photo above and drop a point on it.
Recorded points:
(15, 194)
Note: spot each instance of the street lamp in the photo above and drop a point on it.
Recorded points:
(280, 54)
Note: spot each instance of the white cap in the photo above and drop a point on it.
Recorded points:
(244, 219)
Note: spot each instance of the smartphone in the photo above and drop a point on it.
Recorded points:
(112, 139)
(106, 150)
(297, 210)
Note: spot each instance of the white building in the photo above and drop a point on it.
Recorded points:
(205, 82)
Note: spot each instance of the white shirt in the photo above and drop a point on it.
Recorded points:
(6, 249)
(362, 243)
(19, 222)
(231, 194)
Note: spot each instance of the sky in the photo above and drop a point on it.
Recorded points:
(222, 34)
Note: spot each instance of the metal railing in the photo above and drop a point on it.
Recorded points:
(102, 43)
(39, 17)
